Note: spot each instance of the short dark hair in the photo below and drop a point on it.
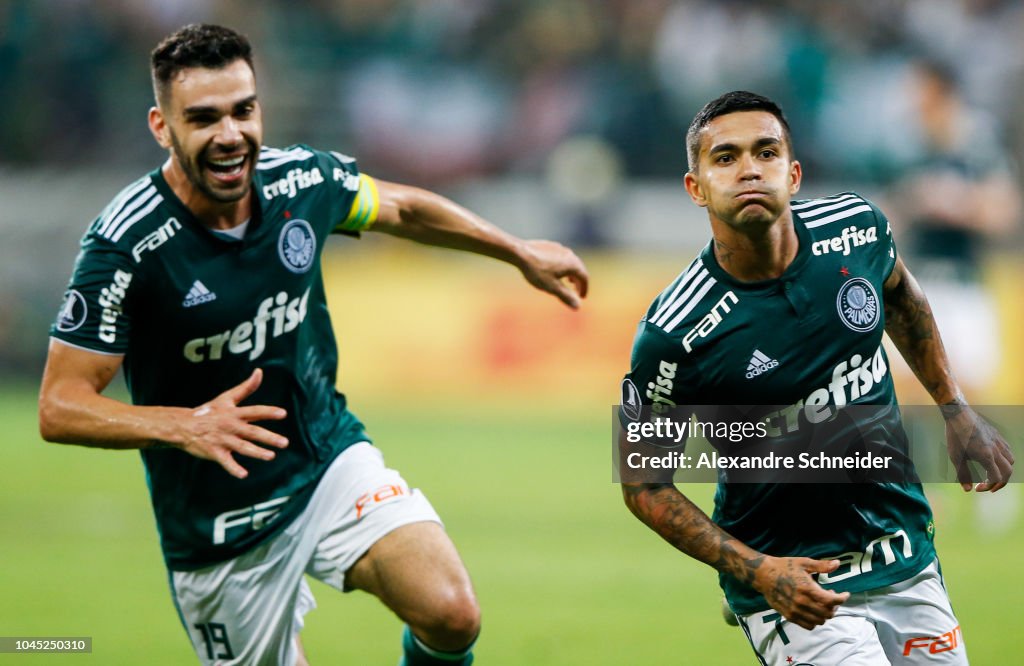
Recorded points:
(196, 45)
(731, 102)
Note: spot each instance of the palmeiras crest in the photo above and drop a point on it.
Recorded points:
(857, 304)
(297, 246)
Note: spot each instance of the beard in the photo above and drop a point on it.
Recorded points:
(194, 169)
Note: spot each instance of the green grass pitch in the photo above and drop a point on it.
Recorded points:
(564, 574)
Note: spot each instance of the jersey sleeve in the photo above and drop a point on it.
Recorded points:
(885, 256)
(659, 383)
(96, 311)
(359, 203)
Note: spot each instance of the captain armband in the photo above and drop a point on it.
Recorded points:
(364, 209)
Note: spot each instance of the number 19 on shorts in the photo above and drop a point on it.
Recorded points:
(215, 636)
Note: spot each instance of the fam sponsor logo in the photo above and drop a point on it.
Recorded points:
(275, 316)
(850, 237)
(292, 182)
(157, 238)
(111, 298)
(369, 501)
(855, 563)
(73, 312)
(296, 246)
(254, 517)
(851, 380)
(857, 304)
(937, 644)
(711, 320)
(349, 180)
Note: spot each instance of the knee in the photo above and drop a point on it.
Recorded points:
(454, 621)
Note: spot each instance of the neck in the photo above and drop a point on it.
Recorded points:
(211, 213)
(760, 254)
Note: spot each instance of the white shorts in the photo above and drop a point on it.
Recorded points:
(248, 610)
(910, 622)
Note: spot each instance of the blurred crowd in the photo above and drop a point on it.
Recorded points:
(911, 101)
(438, 91)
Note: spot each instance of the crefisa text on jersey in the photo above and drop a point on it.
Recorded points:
(658, 393)
(111, 298)
(251, 336)
(851, 380)
(293, 181)
(850, 237)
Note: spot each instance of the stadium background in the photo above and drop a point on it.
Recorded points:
(560, 119)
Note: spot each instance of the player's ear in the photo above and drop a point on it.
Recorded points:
(796, 174)
(158, 127)
(694, 189)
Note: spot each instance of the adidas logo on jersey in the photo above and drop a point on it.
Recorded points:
(760, 364)
(198, 295)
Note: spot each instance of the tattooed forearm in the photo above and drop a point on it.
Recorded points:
(911, 325)
(954, 407)
(680, 522)
(783, 587)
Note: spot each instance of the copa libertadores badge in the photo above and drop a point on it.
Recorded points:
(630, 400)
(296, 246)
(857, 303)
(73, 312)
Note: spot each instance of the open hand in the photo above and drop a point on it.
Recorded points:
(220, 428)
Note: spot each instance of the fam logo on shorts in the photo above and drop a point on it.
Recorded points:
(296, 246)
(857, 304)
(72, 312)
(370, 500)
(630, 400)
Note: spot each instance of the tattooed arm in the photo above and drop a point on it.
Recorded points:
(785, 582)
(910, 324)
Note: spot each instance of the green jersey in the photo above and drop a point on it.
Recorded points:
(194, 311)
(810, 341)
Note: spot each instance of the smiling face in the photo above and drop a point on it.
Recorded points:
(744, 174)
(211, 122)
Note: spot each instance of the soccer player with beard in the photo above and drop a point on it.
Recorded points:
(787, 306)
(202, 280)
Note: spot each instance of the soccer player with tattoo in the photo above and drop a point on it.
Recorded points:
(202, 279)
(787, 306)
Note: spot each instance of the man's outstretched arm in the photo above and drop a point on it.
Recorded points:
(73, 410)
(911, 326)
(785, 582)
(423, 216)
